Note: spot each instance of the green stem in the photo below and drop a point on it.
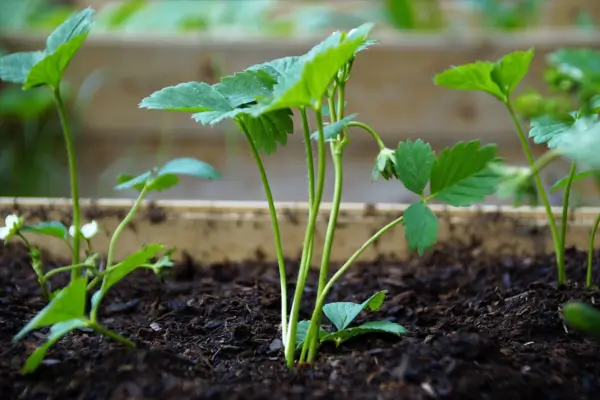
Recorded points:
(113, 335)
(543, 195)
(275, 227)
(313, 327)
(111, 248)
(309, 157)
(588, 279)
(565, 216)
(370, 131)
(56, 271)
(73, 173)
(308, 239)
(312, 341)
(36, 265)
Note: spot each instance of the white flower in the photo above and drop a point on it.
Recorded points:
(12, 225)
(88, 231)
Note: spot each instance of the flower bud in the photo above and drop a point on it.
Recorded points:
(384, 165)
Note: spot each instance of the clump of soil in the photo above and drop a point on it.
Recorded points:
(479, 328)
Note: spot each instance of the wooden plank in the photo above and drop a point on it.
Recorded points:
(215, 232)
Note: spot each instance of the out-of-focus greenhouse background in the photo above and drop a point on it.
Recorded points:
(139, 46)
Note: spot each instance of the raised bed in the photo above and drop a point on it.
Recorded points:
(482, 311)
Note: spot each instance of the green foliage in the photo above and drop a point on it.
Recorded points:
(420, 227)
(498, 79)
(166, 177)
(331, 131)
(32, 69)
(562, 182)
(414, 161)
(553, 132)
(67, 305)
(50, 228)
(461, 175)
(342, 314)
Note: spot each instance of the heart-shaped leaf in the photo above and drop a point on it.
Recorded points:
(368, 327)
(341, 314)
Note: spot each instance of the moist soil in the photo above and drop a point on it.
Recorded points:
(479, 328)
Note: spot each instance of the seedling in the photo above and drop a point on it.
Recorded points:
(262, 99)
(583, 317)
(65, 311)
(573, 135)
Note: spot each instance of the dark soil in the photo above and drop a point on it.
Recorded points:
(480, 328)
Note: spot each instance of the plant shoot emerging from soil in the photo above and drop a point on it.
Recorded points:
(66, 308)
(262, 99)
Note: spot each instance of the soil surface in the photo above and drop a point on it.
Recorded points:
(479, 328)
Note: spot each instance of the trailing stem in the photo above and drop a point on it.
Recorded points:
(74, 182)
(111, 248)
(313, 327)
(588, 279)
(370, 131)
(542, 191)
(275, 227)
(308, 244)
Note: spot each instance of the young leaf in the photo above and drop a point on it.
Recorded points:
(76, 25)
(332, 130)
(476, 76)
(67, 305)
(302, 331)
(583, 317)
(414, 161)
(461, 175)
(166, 176)
(52, 228)
(307, 81)
(15, 67)
(368, 327)
(341, 314)
(562, 182)
(57, 331)
(130, 263)
(50, 70)
(420, 226)
(511, 69)
(546, 129)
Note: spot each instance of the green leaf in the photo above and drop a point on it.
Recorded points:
(67, 305)
(583, 317)
(306, 81)
(166, 176)
(57, 331)
(78, 24)
(302, 331)
(129, 264)
(511, 69)
(50, 70)
(579, 64)
(420, 227)
(461, 175)
(546, 129)
(331, 131)
(231, 99)
(53, 228)
(562, 182)
(414, 161)
(475, 77)
(583, 147)
(341, 314)
(369, 327)
(269, 129)
(15, 67)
